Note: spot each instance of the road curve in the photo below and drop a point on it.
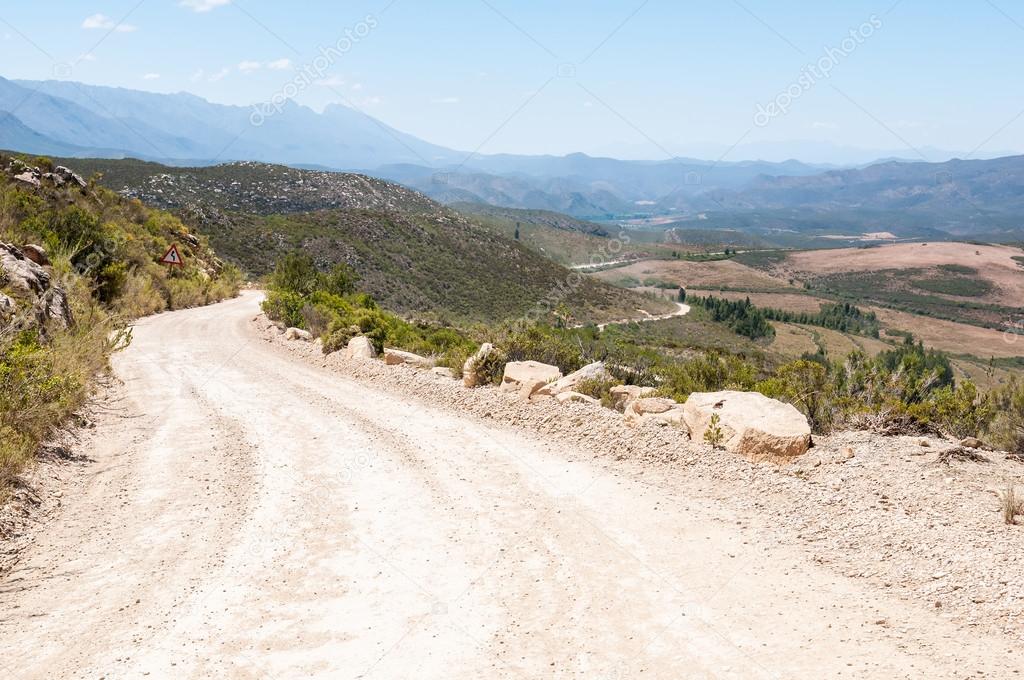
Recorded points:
(251, 515)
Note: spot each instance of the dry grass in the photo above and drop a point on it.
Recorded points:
(995, 264)
(1010, 504)
(704, 275)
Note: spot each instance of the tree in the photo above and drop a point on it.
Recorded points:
(295, 273)
(517, 231)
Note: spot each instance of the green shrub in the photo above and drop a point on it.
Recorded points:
(600, 389)
(807, 386)
(958, 411)
(1008, 427)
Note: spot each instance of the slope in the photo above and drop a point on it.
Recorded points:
(413, 255)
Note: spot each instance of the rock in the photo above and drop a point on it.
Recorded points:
(360, 347)
(846, 454)
(28, 280)
(566, 397)
(622, 395)
(519, 373)
(594, 371)
(972, 443)
(28, 178)
(7, 307)
(443, 371)
(656, 410)
(37, 254)
(298, 334)
(753, 425)
(528, 389)
(394, 357)
(923, 443)
(472, 373)
(68, 176)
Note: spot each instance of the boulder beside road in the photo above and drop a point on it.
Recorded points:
(594, 371)
(394, 357)
(360, 347)
(752, 425)
(521, 373)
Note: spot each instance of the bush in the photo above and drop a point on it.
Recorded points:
(1008, 428)
(807, 386)
(959, 411)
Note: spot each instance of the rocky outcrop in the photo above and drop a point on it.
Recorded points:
(624, 395)
(37, 254)
(298, 334)
(31, 286)
(654, 410)
(394, 357)
(475, 372)
(594, 371)
(752, 425)
(360, 347)
(522, 373)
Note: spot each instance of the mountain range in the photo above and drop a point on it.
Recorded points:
(959, 197)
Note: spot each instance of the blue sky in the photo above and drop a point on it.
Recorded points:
(628, 78)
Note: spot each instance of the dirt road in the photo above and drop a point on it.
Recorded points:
(248, 515)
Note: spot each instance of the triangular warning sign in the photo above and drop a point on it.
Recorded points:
(172, 256)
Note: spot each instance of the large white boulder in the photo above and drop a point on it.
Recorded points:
(394, 357)
(654, 410)
(752, 425)
(594, 371)
(521, 373)
(623, 395)
(360, 347)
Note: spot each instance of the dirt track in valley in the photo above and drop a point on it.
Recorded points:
(250, 515)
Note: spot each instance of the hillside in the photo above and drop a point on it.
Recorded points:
(413, 255)
(77, 264)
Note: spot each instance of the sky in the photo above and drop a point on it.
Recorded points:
(628, 78)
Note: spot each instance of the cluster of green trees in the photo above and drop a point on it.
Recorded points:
(742, 317)
(329, 305)
(840, 316)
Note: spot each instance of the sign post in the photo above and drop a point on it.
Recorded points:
(172, 257)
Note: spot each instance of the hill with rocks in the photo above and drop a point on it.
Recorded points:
(412, 254)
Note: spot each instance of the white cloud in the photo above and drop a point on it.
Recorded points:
(198, 75)
(219, 75)
(355, 87)
(203, 5)
(103, 22)
(279, 64)
(249, 66)
(369, 101)
(588, 104)
(447, 100)
(819, 125)
(88, 56)
(151, 76)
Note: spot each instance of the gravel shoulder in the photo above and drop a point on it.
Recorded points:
(250, 508)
